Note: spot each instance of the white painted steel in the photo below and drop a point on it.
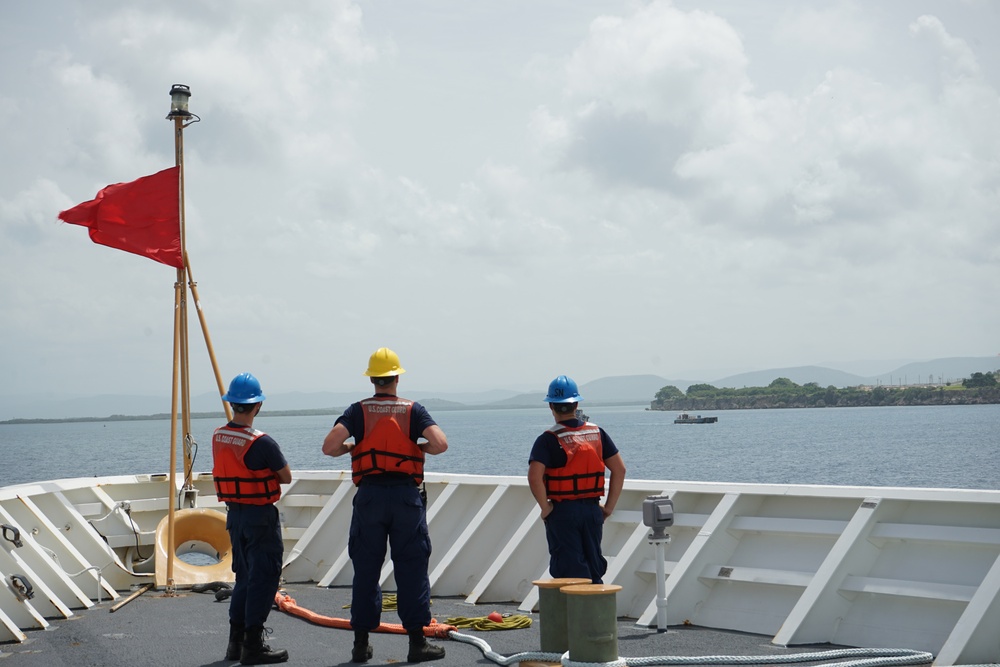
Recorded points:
(866, 567)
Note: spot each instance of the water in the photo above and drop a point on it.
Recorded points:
(929, 446)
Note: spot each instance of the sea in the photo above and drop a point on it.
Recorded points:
(919, 446)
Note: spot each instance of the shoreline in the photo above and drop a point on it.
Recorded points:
(443, 406)
(686, 407)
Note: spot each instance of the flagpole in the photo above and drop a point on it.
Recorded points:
(179, 95)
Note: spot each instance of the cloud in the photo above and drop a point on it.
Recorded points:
(761, 187)
(840, 27)
(663, 101)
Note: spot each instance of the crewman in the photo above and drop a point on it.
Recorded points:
(387, 466)
(566, 475)
(248, 469)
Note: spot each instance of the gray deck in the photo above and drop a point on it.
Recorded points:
(192, 629)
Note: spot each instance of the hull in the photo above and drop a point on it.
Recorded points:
(856, 566)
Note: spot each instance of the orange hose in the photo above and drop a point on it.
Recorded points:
(287, 604)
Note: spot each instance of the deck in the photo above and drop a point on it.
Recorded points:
(191, 629)
(788, 565)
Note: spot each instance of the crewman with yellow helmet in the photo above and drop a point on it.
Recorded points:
(387, 466)
(566, 476)
(248, 467)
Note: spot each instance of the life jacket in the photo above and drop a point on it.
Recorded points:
(386, 446)
(583, 474)
(234, 482)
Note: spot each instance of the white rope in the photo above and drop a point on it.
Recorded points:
(864, 657)
(499, 659)
(566, 662)
(872, 657)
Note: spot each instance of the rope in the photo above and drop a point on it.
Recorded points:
(484, 623)
(496, 657)
(861, 657)
(877, 657)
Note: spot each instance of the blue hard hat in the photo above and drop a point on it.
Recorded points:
(244, 388)
(563, 390)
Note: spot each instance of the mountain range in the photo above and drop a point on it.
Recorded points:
(622, 390)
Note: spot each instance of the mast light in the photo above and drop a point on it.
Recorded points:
(179, 96)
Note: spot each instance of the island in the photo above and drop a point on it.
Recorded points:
(980, 388)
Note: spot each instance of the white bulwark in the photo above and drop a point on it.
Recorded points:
(858, 566)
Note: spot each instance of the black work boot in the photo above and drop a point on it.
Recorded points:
(420, 650)
(256, 652)
(235, 641)
(362, 651)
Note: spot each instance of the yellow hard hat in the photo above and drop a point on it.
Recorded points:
(384, 363)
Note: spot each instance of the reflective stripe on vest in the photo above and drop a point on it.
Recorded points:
(234, 482)
(583, 474)
(386, 445)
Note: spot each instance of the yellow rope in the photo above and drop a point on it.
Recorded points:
(513, 622)
(510, 622)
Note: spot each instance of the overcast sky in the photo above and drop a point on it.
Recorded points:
(503, 191)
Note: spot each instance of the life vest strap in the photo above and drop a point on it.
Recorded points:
(367, 462)
(594, 486)
(237, 494)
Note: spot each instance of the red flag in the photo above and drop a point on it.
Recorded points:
(141, 217)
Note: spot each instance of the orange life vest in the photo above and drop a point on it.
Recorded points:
(583, 474)
(386, 445)
(234, 482)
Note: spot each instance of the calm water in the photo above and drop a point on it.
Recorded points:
(939, 446)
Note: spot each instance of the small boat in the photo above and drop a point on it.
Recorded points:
(685, 418)
(581, 415)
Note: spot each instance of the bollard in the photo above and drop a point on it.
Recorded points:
(552, 613)
(592, 621)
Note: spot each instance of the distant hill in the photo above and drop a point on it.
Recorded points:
(953, 369)
(824, 377)
(625, 390)
(630, 389)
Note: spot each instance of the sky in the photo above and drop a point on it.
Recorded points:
(502, 191)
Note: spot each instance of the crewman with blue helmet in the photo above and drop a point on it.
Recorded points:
(387, 466)
(248, 469)
(566, 475)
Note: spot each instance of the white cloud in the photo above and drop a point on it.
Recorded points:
(660, 61)
(839, 27)
(362, 177)
(958, 58)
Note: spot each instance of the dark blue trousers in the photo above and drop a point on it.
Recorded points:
(257, 552)
(574, 530)
(395, 514)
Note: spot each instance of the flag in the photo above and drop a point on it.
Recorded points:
(141, 217)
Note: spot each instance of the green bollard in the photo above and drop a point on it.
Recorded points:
(552, 613)
(592, 621)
